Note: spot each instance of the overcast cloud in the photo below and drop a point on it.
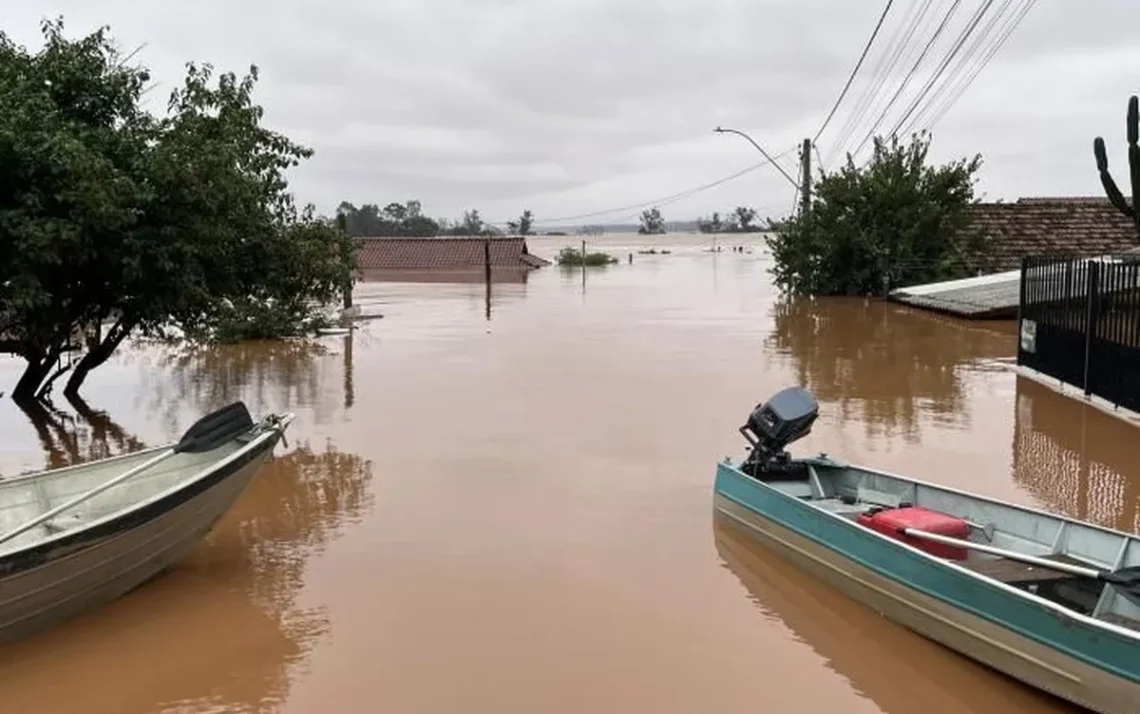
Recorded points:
(569, 107)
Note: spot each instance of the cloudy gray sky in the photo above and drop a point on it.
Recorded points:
(571, 107)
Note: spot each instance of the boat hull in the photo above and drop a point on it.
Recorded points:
(1047, 668)
(40, 589)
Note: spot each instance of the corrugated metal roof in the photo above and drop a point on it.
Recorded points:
(986, 296)
(996, 295)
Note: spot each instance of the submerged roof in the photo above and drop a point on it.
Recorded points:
(994, 296)
(443, 253)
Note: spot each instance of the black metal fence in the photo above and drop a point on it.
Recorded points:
(1080, 323)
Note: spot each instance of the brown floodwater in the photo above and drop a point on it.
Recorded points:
(508, 509)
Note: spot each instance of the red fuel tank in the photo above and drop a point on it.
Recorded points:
(889, 521)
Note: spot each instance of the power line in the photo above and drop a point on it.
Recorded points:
(1005, 30)
(941, 69)
(882, 71)
(664, 200)
(909, 76)
(1010, 27)
(850, 79)
(973, 52)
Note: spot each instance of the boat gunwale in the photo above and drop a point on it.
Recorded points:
(277, 428)
(84, 465)
(1059, 610)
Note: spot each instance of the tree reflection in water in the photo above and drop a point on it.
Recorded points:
(68, 439)
(282, 375)
(888, 365)
(220, 631)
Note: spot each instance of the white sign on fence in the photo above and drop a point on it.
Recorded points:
(1028, 336)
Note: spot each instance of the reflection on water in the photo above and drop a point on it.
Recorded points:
(900, 671)
(282, 375)
(223, 629)
(68, 439)
(889, 366)
(540, 534)
(1076, 459)
(212, 377)
(220, 631)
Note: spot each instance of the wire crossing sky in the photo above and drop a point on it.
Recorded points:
(589, 111)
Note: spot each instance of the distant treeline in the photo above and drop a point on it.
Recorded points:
(408, 220)
(741, 219)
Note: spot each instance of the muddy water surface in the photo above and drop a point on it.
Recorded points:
(509, 510)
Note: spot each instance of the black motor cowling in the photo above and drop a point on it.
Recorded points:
(786, 417)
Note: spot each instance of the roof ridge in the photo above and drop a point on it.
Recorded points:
(440, 238)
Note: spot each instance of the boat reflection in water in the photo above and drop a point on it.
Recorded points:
(898, 670)
(224, 630)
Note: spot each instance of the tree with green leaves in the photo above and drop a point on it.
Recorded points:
(651, 222)
(896, 221)
(523, 226)
(711, 225)
(114, 222)
(395, 220)
(743, 220)
(740, 220)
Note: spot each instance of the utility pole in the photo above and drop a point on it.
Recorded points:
(347, 247)
(805, 182)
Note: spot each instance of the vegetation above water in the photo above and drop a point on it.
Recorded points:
(575, 257)
(742, 219)
(406, 220)
(896, 221)
(1132, 134)
(117, 222)
(652, 222)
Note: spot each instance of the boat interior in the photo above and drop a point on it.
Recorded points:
(851, 492)
(27, 497)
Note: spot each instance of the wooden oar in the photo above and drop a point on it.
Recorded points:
(1125, 580)
(206, 434)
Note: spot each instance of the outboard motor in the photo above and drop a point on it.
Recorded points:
(786, 417)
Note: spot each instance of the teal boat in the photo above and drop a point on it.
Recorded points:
(1048, 600)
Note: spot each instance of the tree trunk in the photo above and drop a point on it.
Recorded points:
(96, 354)
(35, 372)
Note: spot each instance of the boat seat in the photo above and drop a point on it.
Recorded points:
(841, 508)
(795, 489)
(1009, 571)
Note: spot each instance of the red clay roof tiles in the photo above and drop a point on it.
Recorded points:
(1031, 226)
(445, 253)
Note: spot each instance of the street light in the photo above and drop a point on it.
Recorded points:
(779, 168)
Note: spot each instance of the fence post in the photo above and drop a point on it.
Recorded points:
(1021, 293)
(1092, 283)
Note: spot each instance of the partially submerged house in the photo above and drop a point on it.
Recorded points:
(1082, 227)
(445, 259)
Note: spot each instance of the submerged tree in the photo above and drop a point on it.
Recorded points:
(115, 222)
(396, 219)
(522, 227)
(651, 222)
(896, 221)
